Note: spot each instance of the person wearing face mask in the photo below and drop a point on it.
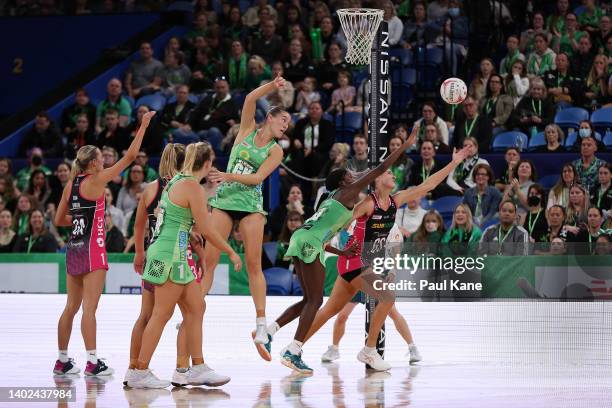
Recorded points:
(483, 199)
(505, 238)
(534, 221)
(35, 159)
(588, 164)
(601, 193)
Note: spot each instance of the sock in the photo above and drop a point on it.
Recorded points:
(369, 350)
(63, 356)
(260, 321)
(295, 347)
(182, 370)
(273, 328)
(92, 357)
(334, 347)
(411, 345)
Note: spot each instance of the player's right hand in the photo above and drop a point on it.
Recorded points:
(139, 262)
(237, 261)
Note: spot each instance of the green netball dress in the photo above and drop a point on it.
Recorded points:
(307, 242)
(167, 255)
(245, 158)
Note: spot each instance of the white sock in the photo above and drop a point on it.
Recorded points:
(369, 350)
(295, 347)
(411, 345)
(273, 328)
(63, 356)
(260, 321)
(92, 357)
(333, 346)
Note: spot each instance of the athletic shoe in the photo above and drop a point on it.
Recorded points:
(330, 355)
(261, 334)
(128, 375)
(373, 359)
(413, 353)
(202, 374)
(295, 362)
(264, 350)
(146, 379)
(65, 368)
(180, 379)
(98, 369)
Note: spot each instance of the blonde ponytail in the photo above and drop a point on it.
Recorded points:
(167, 163)
(196, 155)
(84, 156)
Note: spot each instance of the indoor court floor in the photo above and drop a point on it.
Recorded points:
(491, 354)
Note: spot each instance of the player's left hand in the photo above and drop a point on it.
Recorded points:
(196, 239)
(217, 176)
(237, 261)
(351, 251)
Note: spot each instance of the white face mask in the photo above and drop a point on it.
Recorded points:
(284, 143)
(431, 226)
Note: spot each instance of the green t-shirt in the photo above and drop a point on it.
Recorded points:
(123, 107)
(586, 19)
(565, 44)
(23, 176)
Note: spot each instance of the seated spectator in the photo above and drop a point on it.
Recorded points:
(463, 235)
(514, 54)
(511, 157)
(430, 117)
(328, 35)
(338, 159)
(211, 118)
(38, 187)
(555, 23)
(7, 235)
(44, 135)
(401, 169)
(542, 58)
(409, 218)
(426, 239)
(82, 134)
(428, 166)
(462, 178)
(149, 172)
(258, 71)
(175, 115)
(563, 87)
(297, 65)
(115, 242)
(295, 203)
(533, 112)
(198, 29)
(396, 27)
(601, 37)
(496, 105)
(109, 158)
(414, 28)
(559, 194)
(306, 96)
(601, 193)
(472, 125)
(517, 82)
(327, 71)
(534, 220)
(298, 32)
(517, 190)
(174, 73)
(582, 61)
(292, 222)
(128, 227)
(554, 140)
(203, 72)
(293, 16)
(478, 87)
(590, 18)
(456, 28)
(267, 43)
(8, 193)
(314, 137)
(280, 97)
(173, 45)
(343, 97)
(127, 199)
(35, 161)
(36, 238)
(5, 167)
(555, 218)
(588, 164)
(558, 246)
(81, 106)
(359, 161)
(251, 16)
(433, 135)
(602, 245)
(153, 142)
(235, 30)
(527, 43)
(114, 101)
(567, 41)
(577, 207)
(585, 237)
(117, 215)
(596, 83)
(505, 238)
(237, 65)
(483, 199)
(112, 133)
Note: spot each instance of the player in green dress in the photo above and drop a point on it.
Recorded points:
(255, 155)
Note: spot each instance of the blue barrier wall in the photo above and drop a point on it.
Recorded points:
(45, 51)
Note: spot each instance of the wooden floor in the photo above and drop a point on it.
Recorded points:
(475, 354)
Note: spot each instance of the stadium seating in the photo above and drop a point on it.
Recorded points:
(270, 249)
(279, 281)
(509, 139)
(347, 125)
(570, 118)
(154, 101)
(608, 140)
(402, 75)
(446, 205)
(548, 181)
(602, 119)
(403, 56)
(193, 98)
(537, 140)
(296, 288)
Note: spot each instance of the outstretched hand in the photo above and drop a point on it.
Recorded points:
(413, 135)
(279, 82)
(351, 251)
(216, 176)
(460, 155)
(146, 118)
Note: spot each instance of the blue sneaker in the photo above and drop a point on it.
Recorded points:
(295, 362)
(264, 350)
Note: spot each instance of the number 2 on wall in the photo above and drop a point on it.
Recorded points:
(18, 67)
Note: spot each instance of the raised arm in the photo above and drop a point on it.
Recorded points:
(266, 168)
(247, 118)
(432, 181)
(140, 225)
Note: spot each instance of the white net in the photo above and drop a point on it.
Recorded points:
(360, 27)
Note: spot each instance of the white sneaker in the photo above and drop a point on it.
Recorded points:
(180, 379)
(373, 359)
(146, 379)
(330, 355)
(202, 374)
(261, 334)
(413, 353)
(128, 375)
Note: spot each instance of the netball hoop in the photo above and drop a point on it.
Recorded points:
(360, 26)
